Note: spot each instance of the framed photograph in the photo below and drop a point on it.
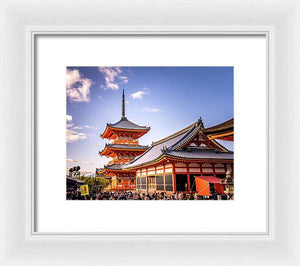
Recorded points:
(190, 164)
(160, 136)
(184, 150)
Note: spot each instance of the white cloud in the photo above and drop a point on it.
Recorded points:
(73, 76)
(100, 98)
(152, 110)
(69, 121)
(124, 79)
(69, 125)
(71, 161)
(79, 162)
(78, 88)
(113, 77)
(73, 136)
(138, 94)
(87, 163)
(69, 118)
(85, 126)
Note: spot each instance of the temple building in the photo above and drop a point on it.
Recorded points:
(190, 160)
(222, 131)
(123, 148)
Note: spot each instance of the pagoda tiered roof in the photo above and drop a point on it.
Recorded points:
(124, 125)
(113, 167)
(177, 146)
(125, 146)
(111, 170)
(122, 147)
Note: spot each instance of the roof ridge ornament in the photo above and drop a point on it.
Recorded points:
(200, 123)
(164, 149)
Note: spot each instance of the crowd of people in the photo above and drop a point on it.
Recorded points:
(133, 195)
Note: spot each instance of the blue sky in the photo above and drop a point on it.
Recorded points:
(165, 98)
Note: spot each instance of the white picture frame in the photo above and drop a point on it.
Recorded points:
(21, 21)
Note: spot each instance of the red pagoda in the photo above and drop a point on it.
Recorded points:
(123, 148)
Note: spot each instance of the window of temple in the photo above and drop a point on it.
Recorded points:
(138, 181)
(151, 183)
(220, 168)
(143, 182)
(207, 168)
(159, 182)
(169, 182)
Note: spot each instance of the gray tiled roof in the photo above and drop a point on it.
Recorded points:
(124, 123)
(170, 147)
(226, 126)
(187, 137)
(113, 167)
(155, 151)
(126, 146)
(198, 153)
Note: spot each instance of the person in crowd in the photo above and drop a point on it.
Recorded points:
(135, 195)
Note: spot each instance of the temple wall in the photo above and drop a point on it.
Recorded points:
(123, 183)
(164, 174)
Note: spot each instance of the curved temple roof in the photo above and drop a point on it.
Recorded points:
(174, 146)
(226, 126)
(125, 147)
(202, 153)
(222, 131)
(113, 167)
(124, 123)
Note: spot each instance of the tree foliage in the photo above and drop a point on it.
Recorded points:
(95, 183)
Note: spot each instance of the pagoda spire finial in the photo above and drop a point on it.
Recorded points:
(123, 105)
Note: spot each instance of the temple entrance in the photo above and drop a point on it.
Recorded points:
(151, 184)
(193, 182)
(181, 183)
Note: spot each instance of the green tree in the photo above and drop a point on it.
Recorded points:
(95, 183)
(101, 183)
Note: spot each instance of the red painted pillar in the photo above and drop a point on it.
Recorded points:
(214, 170)
(164, 174)
(188, 177)
(146, 180)
(174, 177)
